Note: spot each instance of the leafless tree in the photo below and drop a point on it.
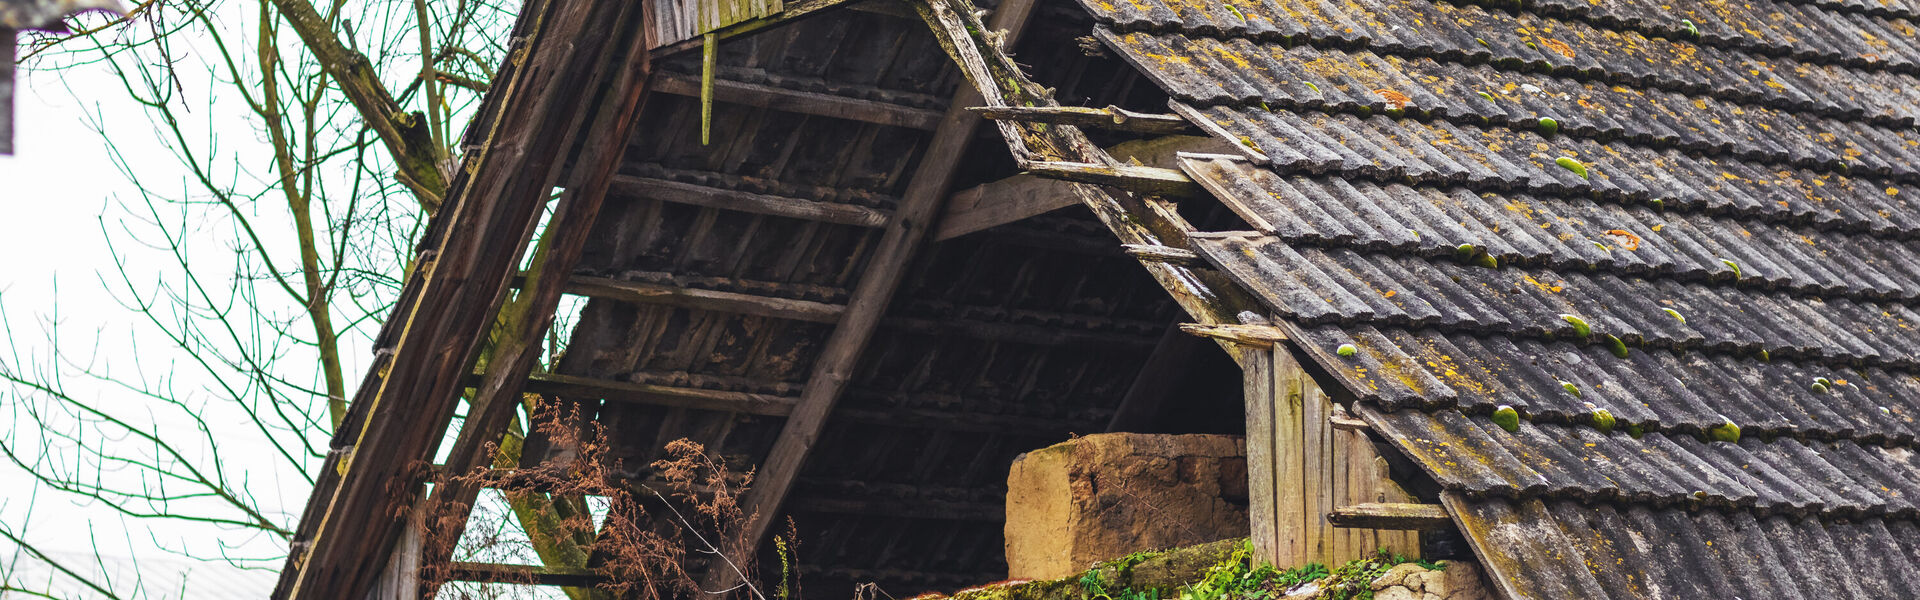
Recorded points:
(303, 145)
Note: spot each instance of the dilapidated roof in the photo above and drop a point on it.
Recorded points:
(1663, 217)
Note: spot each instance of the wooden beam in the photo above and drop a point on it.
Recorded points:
(733, 302)
(1345, 421)
(574, 50)
(1390, 515)
(1111, 118)
(1024, 196)
(763, 204)
(1252, 336)
(1152, 181)
(571, 386)
(797, 101)
(929, 186)
(521, 326)
(1154, 389)
(524, 574)
(1163, 254)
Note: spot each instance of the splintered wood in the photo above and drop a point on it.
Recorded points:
(1302, 467)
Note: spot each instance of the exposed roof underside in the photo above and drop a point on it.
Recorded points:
(1742, 228)
(997, 342)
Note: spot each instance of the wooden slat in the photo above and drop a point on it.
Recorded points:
(1357, 470)
(734, 302)
(1317, 460)
(802, 102)
(1263, 492)
(763, 204)
(1392, 515)
(570, 386)
(1252, 336)
(1153, 181)
(1111, 118)
(1290, 443)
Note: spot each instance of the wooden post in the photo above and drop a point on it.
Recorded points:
(1262, 489)
(1301, 467)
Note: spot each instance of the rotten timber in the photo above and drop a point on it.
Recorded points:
(1111, 118)
(1392, 515)
(1252, 336)
(1152, 181)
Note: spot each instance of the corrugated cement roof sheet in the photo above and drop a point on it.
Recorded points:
(1684, 214)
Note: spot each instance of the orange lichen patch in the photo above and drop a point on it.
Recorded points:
(1557, 46)
(1623, 238)
(1388, 294)
(1395, 100)
(1544, 287)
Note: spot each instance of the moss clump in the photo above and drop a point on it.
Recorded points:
(1346, 350)
(1724, 432)
(1616, 346)
(1507, 418)
(1570, 164)
(1675, 314)
(1580, 327)
(1693, 31)
(1476, 255)
(1602, 420)
(1548, 126)
(1223, 570)
(1570, 388)
(1732, 265)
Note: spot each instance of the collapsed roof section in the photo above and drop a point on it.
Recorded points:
(1676, 240)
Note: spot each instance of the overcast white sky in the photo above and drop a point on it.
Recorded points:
(55, 191)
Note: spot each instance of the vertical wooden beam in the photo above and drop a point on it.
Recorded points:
(1263, 495)
(1318, 435)
(1290, 385)
(929, 187)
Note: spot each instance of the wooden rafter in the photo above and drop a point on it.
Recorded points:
(1023, 196)
(803, 102)
(523, 324)
(1112, 118)
(930, 184)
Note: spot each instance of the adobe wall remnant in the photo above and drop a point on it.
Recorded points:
(1103, 496)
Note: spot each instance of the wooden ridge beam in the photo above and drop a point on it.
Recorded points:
(803, 102)
(1391, 515)
(927, 189)
(1112, 118)
(763, 204)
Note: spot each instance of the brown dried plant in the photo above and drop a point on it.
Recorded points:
(657, 537)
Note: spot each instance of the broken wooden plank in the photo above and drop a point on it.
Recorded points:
(762, 204)
(803, 102)
(1153, 181)
(1256, 336)
(1345, 421)
(1391, 515)
(1021, 197)
(1163, 254)
(1111, 118)
(748, 304)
